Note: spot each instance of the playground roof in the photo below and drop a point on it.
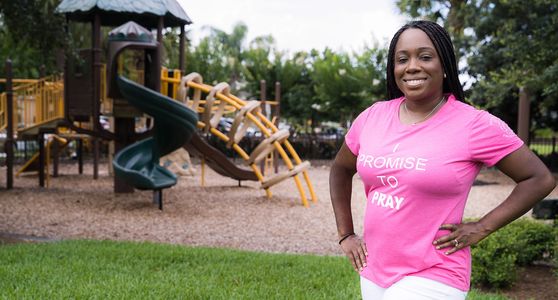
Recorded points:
(117, 12)
(130, 31)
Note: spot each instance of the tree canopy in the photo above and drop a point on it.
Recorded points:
(505, 46)
(501, 46)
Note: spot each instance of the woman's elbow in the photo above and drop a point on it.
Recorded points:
(548, 182)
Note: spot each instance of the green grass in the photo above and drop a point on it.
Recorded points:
(125, 270)
(541, 149)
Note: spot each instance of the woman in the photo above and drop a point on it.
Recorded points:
(418, 156)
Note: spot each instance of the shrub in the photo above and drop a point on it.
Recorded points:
(555, 256)
(520, 243)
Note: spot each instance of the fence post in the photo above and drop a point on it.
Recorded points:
(42, 158)
(277, 116)
(9, 143)
(263, 104)
(523, 115)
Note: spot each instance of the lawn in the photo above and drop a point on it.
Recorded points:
(541, 149)
(127, 270)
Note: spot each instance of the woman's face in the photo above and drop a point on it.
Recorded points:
(417, 67)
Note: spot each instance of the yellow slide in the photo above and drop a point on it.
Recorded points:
(32, 165)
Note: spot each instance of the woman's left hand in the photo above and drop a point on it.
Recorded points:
(462, 235)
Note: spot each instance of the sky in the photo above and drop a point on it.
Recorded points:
(297, 25)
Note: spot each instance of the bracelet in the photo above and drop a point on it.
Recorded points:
(344, 237)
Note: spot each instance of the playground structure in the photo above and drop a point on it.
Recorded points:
(81, 113)
(246, 114)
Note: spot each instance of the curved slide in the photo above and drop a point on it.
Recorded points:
(138, 163)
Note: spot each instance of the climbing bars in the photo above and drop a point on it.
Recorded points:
(218, 102)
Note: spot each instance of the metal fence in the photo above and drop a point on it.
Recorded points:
(546, 150)
(543, 146)
(308, 146)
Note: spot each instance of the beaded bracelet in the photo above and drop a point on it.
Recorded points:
(344, 237)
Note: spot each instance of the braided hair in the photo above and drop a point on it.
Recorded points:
(442, 42)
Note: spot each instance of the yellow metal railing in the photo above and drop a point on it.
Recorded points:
(36, 101)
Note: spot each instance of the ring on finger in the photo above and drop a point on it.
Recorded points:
(455, 242)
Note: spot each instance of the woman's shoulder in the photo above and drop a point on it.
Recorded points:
(467, 110)
(386, 104)
(378, 108)
(477, 119)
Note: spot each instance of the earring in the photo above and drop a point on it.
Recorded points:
(445, 75)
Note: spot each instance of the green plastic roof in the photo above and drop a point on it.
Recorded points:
(117, 12)
(131, 31)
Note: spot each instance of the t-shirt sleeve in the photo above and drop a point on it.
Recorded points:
(352, 138)
(491, 139)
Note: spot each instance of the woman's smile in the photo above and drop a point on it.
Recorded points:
(414, 82)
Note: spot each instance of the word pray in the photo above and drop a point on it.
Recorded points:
(386, 200)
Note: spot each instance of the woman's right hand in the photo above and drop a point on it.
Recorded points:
(355, 249)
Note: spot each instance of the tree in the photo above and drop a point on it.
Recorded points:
(297, 92)
(454, 14)
(513, 50)
(218, 56)
(346, 84)
(507, 46)
(171, 53)
(34, 33)
(257, 65)
(231, 45)
(208, 60)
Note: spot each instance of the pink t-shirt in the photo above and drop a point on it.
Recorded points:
(418, 177)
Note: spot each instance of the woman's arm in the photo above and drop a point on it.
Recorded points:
(340, 189)
(534, 182)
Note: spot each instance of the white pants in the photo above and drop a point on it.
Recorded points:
(410, 288)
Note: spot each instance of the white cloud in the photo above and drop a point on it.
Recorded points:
(300, 24)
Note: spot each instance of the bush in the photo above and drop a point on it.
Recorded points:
(496, 258)
(555, 256)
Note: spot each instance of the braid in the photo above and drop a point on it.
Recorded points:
(442, 42)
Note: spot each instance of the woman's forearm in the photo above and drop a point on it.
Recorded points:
(340, 188)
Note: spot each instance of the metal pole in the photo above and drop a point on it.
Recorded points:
(41, 159)
(96, 71)
(95, 158)
(55, 158)
(181, 54)
(122, 129)
(277, 118)
(158, 198)
(523, 115)
(80, 155)
(262, 105)
(96, 92)
(9, 143)
(159, 58)
(66, 76)
(42, 72)
(278, 100)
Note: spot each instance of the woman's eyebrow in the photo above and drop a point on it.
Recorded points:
(426, 48)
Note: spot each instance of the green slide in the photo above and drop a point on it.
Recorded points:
(138, 163)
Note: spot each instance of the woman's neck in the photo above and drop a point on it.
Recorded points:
(423, 110)
(423, 106)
